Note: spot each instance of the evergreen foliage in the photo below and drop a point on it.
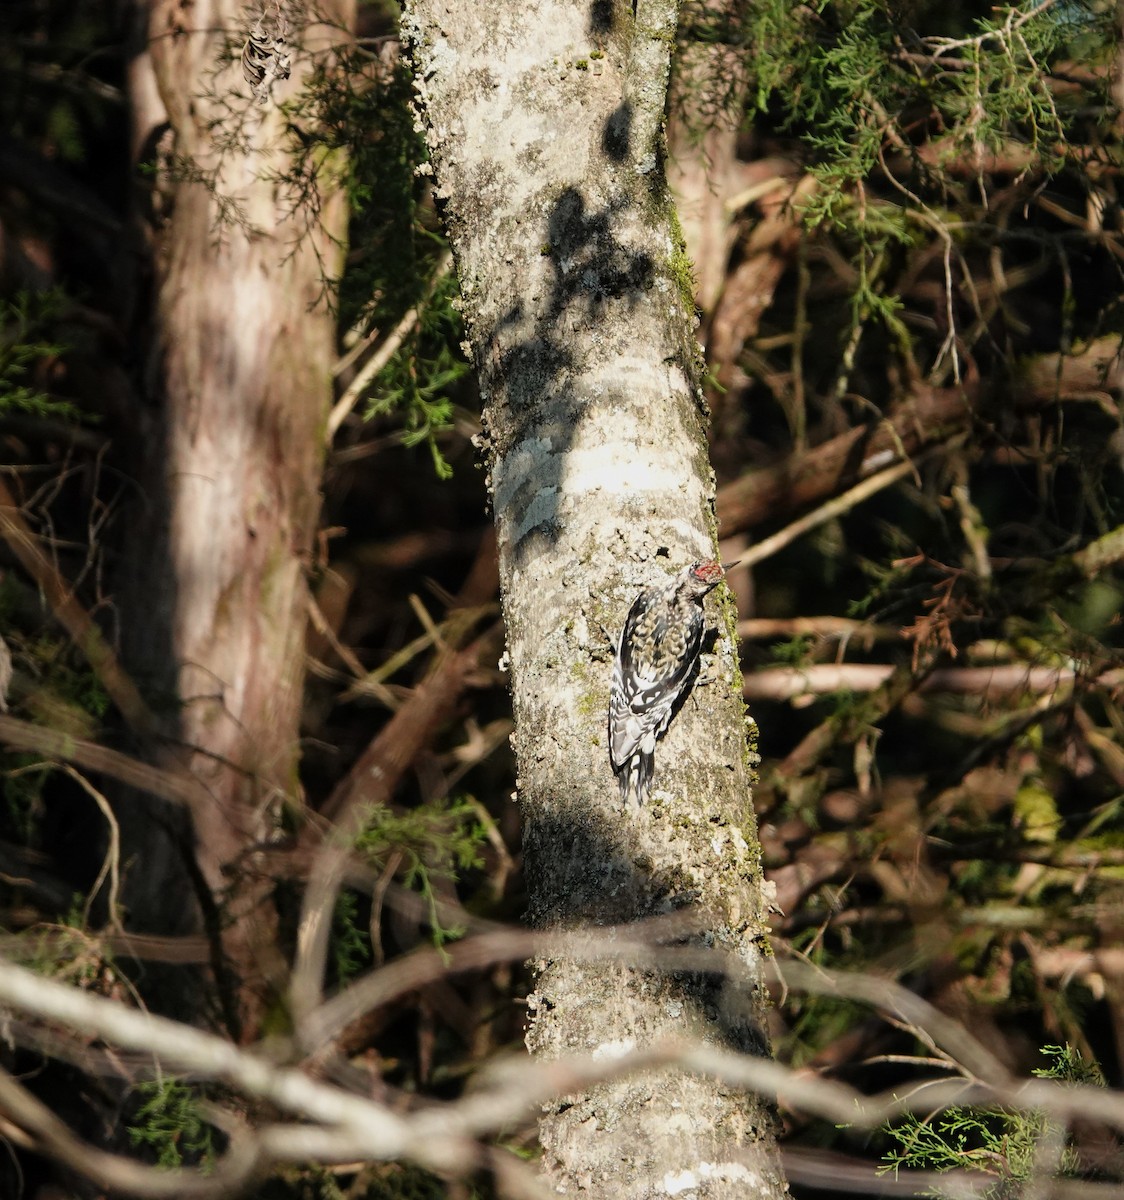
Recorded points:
(170, 1123)
(960, 221)
(960, 234)
(357, 111)
(440, 840)
(1003, 1143)
(25, 345)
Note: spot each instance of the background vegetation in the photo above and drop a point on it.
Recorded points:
(908, 241)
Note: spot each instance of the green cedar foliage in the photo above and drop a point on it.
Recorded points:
(903, 114)
(170, 1122)
(963, 221)
(439, 840)
(29, 341)
(1004, 1143)
(354, 126)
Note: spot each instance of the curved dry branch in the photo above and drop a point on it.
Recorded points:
(930, 416)
(338, 1126)
(169, 785)
(49, 1136)
(72, 616)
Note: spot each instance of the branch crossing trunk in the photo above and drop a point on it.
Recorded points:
(544, 121)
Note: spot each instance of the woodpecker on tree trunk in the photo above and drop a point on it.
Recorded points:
(656, 665)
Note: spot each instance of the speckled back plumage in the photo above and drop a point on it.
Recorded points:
(656, 664)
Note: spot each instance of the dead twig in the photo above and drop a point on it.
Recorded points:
(826, 512)
(354, 391)
(70, 614)
(817, 679)
(167, 785)
(111, 866)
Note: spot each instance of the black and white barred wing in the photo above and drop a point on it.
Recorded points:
(265, 56)
(656, 658)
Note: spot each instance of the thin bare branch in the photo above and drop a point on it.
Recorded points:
(77, 622)
(50, 1136)
(443, 1137)
(174, 787)
(826, 512)
(1005, 679)
(374, 1131)
(111, 866)
(354, 391)
(633, 943)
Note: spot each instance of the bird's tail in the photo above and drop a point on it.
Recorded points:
(624, 778)
(645, 769)
(635, 775)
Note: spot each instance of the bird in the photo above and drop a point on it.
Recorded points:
(265, 56)
(656, 664)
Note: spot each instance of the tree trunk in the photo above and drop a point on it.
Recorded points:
(544, 122)
(240, 372)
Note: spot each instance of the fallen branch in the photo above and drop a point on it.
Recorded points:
(749, 288)
(807, 477)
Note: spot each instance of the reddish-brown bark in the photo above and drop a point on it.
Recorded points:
(240, 377)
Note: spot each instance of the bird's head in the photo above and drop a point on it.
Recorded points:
(702, 577)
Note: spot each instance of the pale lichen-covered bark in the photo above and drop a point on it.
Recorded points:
(240, 377)
(544, 124)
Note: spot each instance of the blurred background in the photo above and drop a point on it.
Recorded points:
(907, 245)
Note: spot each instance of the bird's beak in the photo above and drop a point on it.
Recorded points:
(727, 566)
